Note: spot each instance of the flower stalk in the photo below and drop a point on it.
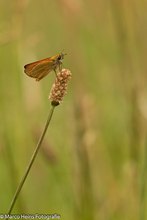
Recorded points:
(18, 190)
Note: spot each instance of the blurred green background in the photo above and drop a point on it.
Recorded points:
(92, 164)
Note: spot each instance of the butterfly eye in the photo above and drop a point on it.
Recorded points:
(59, 57)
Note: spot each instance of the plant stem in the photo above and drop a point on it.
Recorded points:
(143, 184)
(31, 162)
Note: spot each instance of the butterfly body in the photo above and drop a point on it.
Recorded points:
(41, 68)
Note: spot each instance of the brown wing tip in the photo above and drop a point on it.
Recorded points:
(25, 68)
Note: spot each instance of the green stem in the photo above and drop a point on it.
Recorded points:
(31, 162)
(143, 184)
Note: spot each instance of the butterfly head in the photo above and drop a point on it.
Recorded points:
(61, 56)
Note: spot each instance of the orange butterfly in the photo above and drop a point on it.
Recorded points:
(41, 68)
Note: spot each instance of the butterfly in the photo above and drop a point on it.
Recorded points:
(41, 68)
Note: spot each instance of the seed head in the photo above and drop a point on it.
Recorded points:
(59, 88)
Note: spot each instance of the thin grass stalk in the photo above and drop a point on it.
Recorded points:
(143, 184)
(85, 209)
(18, 190)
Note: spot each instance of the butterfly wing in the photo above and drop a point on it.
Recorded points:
(39, 69)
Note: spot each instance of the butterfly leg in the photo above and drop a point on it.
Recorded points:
(55, 72)
(60, 67)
